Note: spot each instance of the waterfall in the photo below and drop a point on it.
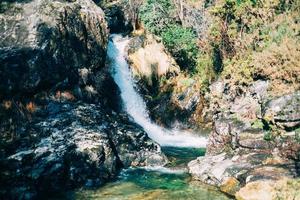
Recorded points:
(135, 105)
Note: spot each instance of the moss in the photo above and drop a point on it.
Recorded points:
(257, 124)
(268, 136)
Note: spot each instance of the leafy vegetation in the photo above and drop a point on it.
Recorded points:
(159, 18)
(247, 40)
(157, 15)
(181, 42)
(257, 40)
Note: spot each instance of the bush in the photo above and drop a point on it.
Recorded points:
(181, 42)
(159, 18)
(157, 15)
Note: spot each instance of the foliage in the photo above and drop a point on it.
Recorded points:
(157, 15)
(256, 40)
(257, 124)
(159, 18)
(181, 42)
(204, 70)
(268, 136)
(247, 40)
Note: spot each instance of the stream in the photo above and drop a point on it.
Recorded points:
(169, 182)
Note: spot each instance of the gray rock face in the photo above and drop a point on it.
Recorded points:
(118, 17)
(216, 169)
(230, 134)
(193, 15)
(284, 111)
(259, 89)
(46, 42)
(76, 144)
(58, 128)
(244, 145)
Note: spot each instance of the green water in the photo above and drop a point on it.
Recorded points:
(169, 183)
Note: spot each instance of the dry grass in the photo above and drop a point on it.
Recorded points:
(271, 52)
(281, 65)
(31, 107)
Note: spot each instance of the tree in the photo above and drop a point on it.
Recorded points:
(134, 6)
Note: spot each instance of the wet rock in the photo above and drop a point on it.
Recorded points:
(118, 16)
(83, 145)
(59, 126)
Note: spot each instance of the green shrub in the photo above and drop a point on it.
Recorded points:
(257, 124)
(204, 70)
(268, 136)
(157, 15)
(181, 42)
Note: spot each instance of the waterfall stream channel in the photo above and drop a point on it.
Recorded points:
(168, 182)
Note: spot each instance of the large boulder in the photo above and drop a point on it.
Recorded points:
(59, 119)
(149, 59)
(73, 144)
(268, 190)
(253, 141)
(238, 170)
(46, 42)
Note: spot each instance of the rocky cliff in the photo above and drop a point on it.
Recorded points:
(252, 97)
(254, 141)
(44, 43)
(59, 128)
(171, 96)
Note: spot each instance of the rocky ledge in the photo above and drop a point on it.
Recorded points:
(58, 113)
(253, 149)
(74, 144)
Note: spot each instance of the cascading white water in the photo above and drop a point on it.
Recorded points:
(135, 105)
